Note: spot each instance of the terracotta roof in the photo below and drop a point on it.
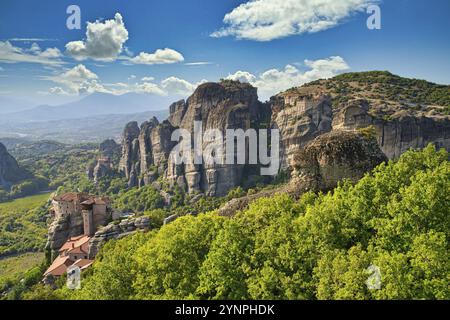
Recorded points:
(77, 250)
(83, 263)
(74, 243)
(72, 196)
(59, 266)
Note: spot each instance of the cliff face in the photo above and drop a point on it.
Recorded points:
(406, 113)
(108, 151)
(10, 172)
(146, 150)
(402, 113)
(398, 132)
(320, 165)
(335, 156)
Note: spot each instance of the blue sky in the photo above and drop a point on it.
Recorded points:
(413, 42)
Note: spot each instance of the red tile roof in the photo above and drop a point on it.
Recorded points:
(83, 263)
(59, 266)
(75, 242)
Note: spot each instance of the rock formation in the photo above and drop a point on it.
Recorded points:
(70, 212)
(117, 231)
(108, 150)
(225, 105)
(10, 172)
(376, 100)
(335, 156)
(321, 165)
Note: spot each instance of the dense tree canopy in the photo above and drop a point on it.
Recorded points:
(395, 220)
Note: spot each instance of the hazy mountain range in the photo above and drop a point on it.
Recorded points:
(92, 105)
(90, 119)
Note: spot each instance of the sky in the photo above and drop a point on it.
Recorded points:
(167, 48)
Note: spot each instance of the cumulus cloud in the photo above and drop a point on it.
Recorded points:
(76, 80)
(177, 86)
(58, 91)
(160, 56)
(265, 20)
(12, 54)
(274, 81)
(104, 40)
(81, 80)
(149, 88)
(242, 76)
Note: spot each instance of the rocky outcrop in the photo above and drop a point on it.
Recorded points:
(219, 106)
(301, 114)
(300, 117)
(304, 114)
(103, 167)
(146, 150)
(320, 166)
(129, 162)
(335, 156)
(10, 172)
(61, 229)
(109, 148)
(117, 231)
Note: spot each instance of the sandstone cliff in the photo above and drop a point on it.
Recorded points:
(320, 165)
(146, 150)
(108, 151)
(404, 113)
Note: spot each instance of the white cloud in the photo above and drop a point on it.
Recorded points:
(51, 53)
(12, 54)
(1, 69)
(242, 76)
(149, 88)
(58, 91)
(265, 20)
(177, 86)
(104, 40)
(274, 81)
(200, 63)
(76, 80)
(81, 80)
(160, 56)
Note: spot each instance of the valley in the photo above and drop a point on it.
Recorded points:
(351, 160)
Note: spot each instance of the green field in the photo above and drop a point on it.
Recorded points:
(23, 225)
(12, 266)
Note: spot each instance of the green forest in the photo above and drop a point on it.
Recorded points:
(321, 246)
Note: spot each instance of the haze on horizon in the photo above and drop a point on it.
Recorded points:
(157, 54)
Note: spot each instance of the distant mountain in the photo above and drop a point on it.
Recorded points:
(8, 105)
(92, 105)
(94, 128)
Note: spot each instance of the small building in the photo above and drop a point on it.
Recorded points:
(94, 211)
(73, 252)
(77, 218)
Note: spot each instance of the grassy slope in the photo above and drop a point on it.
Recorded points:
(23, 224)
(11, 266)
(387, 93)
